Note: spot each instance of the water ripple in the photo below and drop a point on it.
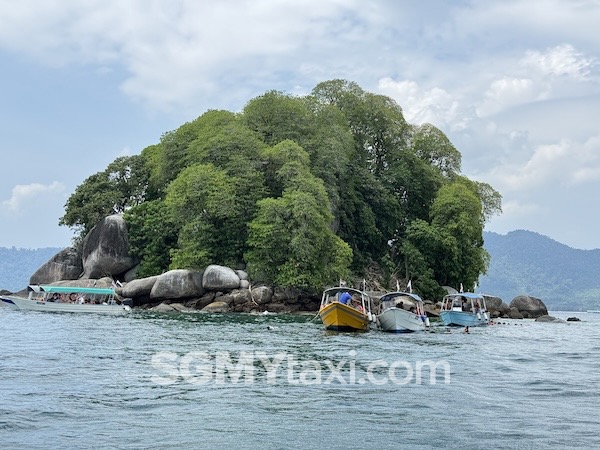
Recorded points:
(78, 381)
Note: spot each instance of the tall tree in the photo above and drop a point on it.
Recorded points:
(291, 242)
(152, 233)
(203, 202)
(174, 154)
(277, 117)
(433, 146)
(122, 185)
(457, 212)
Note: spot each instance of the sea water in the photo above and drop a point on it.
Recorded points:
(149, 380)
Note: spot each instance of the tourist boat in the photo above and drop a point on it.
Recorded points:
(465, 309)
(67, 299)
(345, 309)
(395, 318)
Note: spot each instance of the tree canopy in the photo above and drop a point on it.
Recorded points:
(303, 190)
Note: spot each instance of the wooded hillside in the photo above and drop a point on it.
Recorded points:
(524, 262)
(302, 191)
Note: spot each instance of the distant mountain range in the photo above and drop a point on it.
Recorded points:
(523, 262)
(18, 264)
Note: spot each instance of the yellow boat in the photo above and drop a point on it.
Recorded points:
(345, 309)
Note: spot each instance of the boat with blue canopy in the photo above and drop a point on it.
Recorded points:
(49, 298)
(464, 309)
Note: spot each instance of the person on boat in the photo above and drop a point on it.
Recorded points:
(55, 298)
(345, 297)
(357, 304)
(80, 299)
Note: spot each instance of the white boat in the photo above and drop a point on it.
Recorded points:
(465, 309)
(401, 312)
(67, 299)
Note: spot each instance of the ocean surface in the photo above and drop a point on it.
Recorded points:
(148, 380)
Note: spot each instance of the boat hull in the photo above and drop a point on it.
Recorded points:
(462, 319)
(340, 317)
(36, 305)
(396, 320)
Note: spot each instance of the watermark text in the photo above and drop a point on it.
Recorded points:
(249, 367)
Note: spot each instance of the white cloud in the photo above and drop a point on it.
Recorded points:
(588, 170)
(514, 84)
(506, 92)
(434, 105)
(559, 164)
(562, 60)
(538, 75)
(179, 52)
(25, 195)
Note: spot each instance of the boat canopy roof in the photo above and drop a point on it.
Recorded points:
(335, 290)
(72, 289)
(466, 295)
(391, 295)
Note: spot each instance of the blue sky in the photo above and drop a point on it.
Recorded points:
(515, 85)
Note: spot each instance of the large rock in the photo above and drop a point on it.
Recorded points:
(65, 265)
(219, 278)
(172, 307)
(286, 295)
(529, 306)
(262, 294)
(138, 288)
(431, 310)
(162, 307)
(216, 307)
(492, 303)
(547, 318)
(241, 296)
(515, 314)
(106, 249)
(504, 309)
(180, 283)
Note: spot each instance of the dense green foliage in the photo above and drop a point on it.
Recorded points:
(304, 191)
(121, 186)
(522, 262)
(156, 235)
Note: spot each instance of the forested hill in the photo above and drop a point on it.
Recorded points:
(524, 262)
(18, 264)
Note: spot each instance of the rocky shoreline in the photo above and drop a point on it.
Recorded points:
(104, 261)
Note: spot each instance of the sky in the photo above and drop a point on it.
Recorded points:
(514, 84)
